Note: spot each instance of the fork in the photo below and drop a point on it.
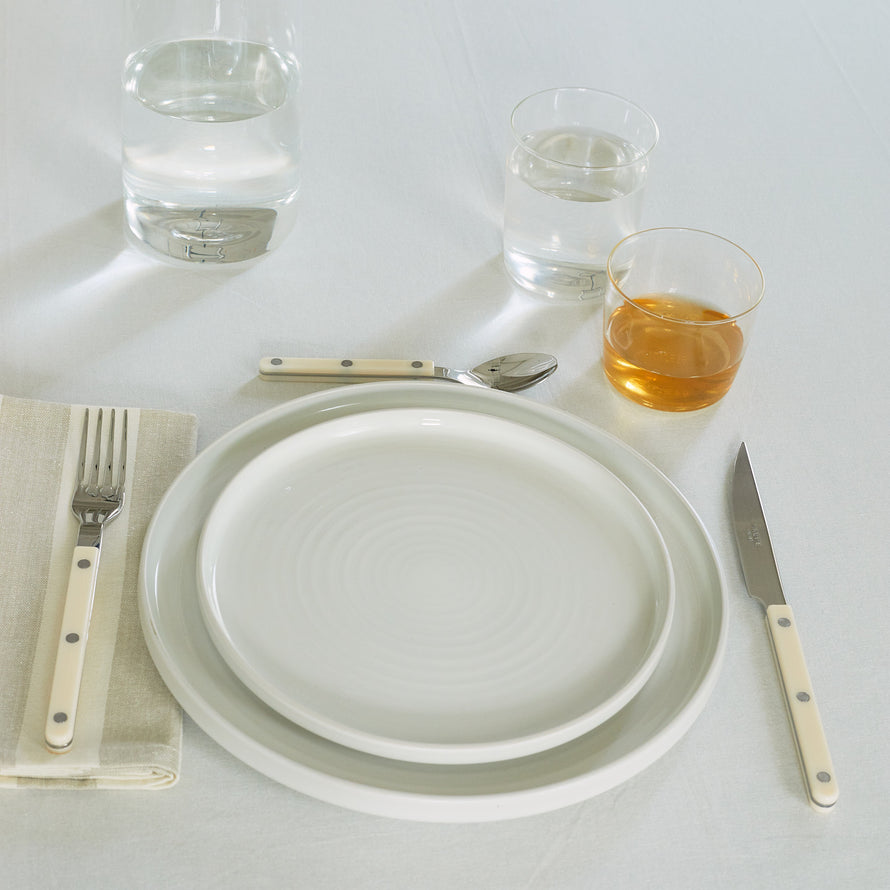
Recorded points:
(96, 502)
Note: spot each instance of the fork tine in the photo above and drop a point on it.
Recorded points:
(82, 458)
(97, 448)
(122, 462)
(107, 478)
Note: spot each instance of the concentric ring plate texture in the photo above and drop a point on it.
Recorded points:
(435, 585)
(634, 739)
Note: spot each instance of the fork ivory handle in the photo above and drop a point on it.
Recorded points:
(806, 724)
(65, 690)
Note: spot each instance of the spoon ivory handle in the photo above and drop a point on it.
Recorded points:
(327, 370)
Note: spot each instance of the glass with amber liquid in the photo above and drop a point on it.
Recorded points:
(677, 317)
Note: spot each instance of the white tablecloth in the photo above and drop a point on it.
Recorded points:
(775, 126)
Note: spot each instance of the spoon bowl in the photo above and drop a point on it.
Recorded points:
(516, 371)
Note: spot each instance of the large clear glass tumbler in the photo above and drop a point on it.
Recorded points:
(211, 126)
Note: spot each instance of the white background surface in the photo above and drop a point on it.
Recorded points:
(775, 133)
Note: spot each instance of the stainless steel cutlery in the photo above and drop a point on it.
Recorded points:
(762, 579)
(98, 499)
(510, 373)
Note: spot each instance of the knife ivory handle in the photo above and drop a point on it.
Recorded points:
(812, 747)
(327, 370)
(65, 690)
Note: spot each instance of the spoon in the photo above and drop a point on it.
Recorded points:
(510, 373)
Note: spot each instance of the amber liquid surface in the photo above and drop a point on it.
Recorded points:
(671, 353)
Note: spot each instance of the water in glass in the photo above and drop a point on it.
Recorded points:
(211, 148)
(571, 194)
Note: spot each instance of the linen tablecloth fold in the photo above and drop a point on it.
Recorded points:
(129, 727)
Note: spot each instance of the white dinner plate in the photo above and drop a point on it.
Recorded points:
(612, 753)
(435, 585)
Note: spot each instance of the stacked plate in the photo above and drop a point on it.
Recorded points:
(432, 602)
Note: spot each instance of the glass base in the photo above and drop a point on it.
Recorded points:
(200, 235)
(562, 282)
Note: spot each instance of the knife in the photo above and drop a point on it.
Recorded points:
(762, 579)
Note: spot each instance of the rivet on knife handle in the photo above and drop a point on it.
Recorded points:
(332, 369)
(812, 746)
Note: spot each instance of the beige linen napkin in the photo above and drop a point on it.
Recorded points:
(129, 727)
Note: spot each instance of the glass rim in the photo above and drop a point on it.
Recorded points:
(542, 157)
(704, 323)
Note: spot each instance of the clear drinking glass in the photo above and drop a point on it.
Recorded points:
(574, 187)
(678, 316)
(211, 126)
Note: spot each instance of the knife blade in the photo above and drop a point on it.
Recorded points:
(762, 580)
